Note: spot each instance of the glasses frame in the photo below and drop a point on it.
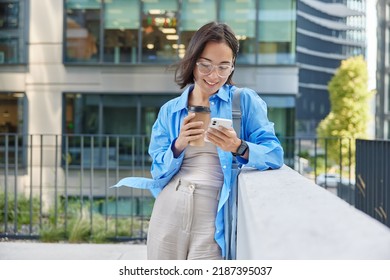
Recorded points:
(213, 67)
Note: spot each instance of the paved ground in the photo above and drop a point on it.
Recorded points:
(29, 250)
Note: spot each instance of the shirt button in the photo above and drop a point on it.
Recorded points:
(212, 103)
(224, 167)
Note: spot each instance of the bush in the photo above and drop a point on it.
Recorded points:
(78, 220)
(22, 215)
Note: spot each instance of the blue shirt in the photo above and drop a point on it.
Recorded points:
(265, 151)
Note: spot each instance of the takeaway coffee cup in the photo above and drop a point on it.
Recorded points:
(202, 113)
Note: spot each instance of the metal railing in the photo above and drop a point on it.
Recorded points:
(60, 183)
(329, 162)
(55, 182)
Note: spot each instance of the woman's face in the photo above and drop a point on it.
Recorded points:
(217, 57)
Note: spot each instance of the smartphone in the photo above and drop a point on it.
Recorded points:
(216, 122)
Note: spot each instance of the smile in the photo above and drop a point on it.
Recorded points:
(211, 84)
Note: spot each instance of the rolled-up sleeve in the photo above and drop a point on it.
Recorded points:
(265, 149)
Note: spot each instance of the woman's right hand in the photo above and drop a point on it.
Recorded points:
(190, 131)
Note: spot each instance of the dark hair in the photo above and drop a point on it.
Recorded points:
(213, 31)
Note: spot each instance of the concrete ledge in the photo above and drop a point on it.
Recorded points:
(283, 215)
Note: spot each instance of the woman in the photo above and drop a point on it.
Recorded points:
(192, 184)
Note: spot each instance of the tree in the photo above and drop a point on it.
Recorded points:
(348, 119)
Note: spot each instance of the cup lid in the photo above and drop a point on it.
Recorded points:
(199, 109)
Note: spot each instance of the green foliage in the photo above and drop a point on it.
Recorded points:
(79, 227)
(23, 206)
(52, 234)
(349, 116)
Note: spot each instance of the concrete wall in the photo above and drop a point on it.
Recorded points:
(283, 215)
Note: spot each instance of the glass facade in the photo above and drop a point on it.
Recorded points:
(12, 32)
(158, 31)
(325, 36)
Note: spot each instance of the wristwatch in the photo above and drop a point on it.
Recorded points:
(241, 149)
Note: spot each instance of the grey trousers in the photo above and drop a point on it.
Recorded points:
(182, 225)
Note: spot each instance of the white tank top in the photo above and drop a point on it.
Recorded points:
(201, 166)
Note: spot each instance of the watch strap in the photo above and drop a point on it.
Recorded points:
(241, 149)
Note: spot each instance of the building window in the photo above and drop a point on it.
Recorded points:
(276, 32)
(159, 31)
(121, 24)
(82, 31)
(12, 127)
(12, 32)
(194, 14)
(241, 16)
(102, 126)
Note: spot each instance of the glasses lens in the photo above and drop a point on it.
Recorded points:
(224, 70)
(206, 68)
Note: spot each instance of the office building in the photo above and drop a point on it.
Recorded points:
(328, 31)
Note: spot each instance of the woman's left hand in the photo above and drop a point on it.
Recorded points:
(225, 138)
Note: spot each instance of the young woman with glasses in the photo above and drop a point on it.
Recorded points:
(192, 183)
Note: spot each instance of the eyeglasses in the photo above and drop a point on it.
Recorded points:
(223, 70)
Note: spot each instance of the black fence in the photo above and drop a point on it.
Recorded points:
(57, 187)
(373, 178)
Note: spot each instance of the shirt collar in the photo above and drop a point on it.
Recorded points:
(182, 101)
(223, 93)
